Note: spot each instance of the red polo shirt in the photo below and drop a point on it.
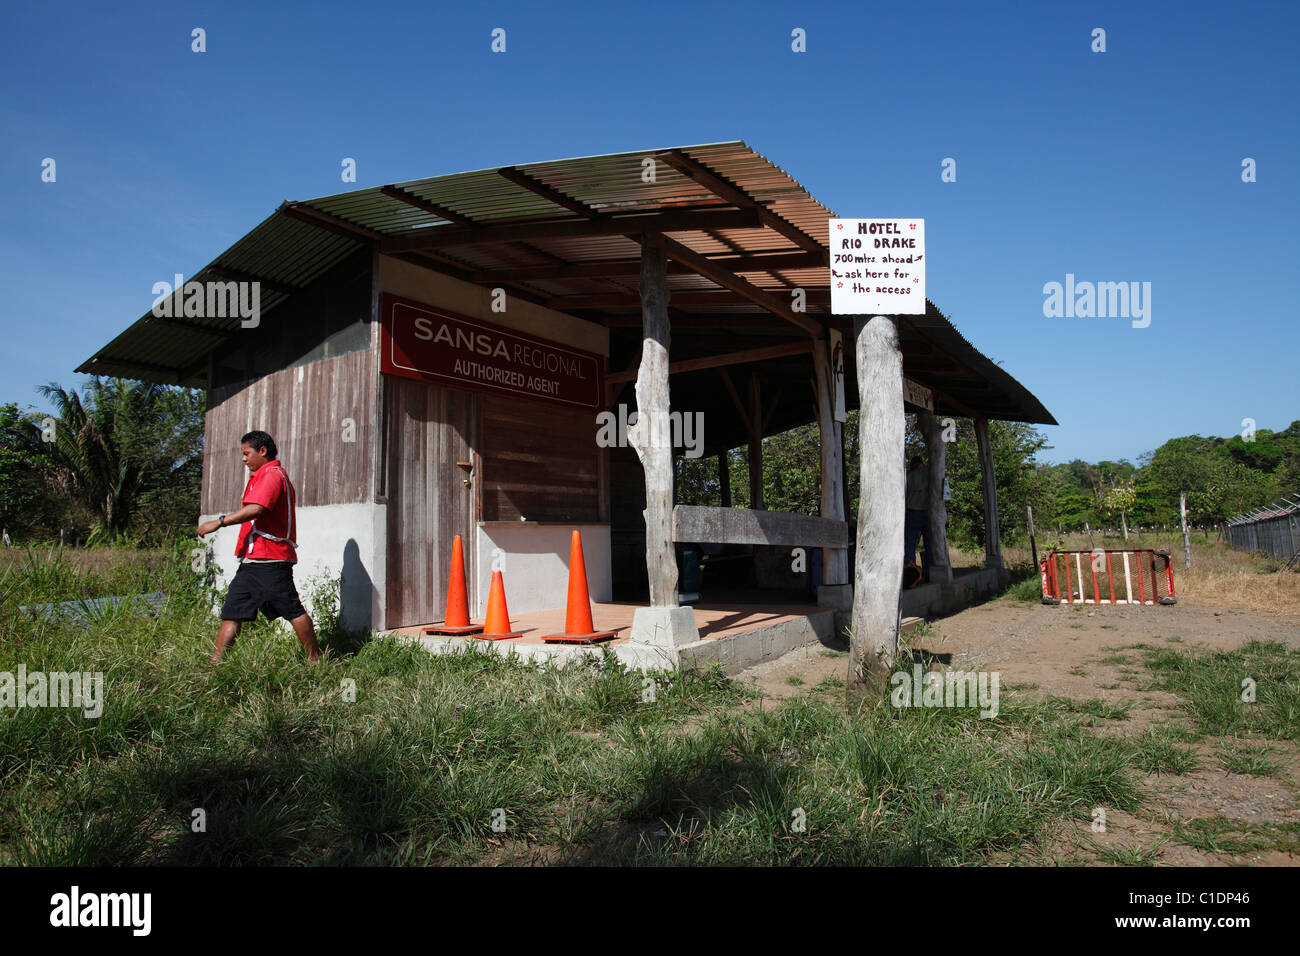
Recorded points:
(269, 487)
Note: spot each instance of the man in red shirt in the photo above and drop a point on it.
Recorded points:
(266, 550)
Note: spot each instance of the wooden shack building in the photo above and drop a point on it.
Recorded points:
(432, 357)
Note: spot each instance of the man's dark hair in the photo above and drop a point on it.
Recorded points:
(259, 440)
(916, 461)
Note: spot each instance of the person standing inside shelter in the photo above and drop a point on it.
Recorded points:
(916, 520)
(266, 550)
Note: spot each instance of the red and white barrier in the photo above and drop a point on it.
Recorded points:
(1147, 577)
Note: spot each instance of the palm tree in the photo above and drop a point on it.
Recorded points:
(116, 442)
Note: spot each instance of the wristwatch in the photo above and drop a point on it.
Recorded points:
(221, 521)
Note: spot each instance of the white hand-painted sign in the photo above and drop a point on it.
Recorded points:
(877, 266)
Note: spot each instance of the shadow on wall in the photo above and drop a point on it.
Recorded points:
(356, 591)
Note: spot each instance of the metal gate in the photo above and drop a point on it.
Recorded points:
(1099, 576)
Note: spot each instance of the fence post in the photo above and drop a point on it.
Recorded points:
(1187, 542)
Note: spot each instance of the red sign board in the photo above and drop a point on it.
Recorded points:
(422, 342)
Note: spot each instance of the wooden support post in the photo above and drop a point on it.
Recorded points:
(992, 527)
(936, 539)
(878, 575)
(755, 445)
(835, 561)
(724, 478)
(1187, 541)
(650, 436)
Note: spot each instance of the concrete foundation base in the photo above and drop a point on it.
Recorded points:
(938, 599)
(837, 598)
(669, 627)
(738, 651)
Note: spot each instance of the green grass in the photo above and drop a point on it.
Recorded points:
(1220, 835)
(1132, 856)
(1240, 758)
(1094, 708)
(1026, 585)
(1213, 683)
(1155, 753)
(580, 763)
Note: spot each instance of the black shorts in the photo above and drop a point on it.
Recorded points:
(262, 587)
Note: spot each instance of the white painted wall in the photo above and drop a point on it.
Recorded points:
(333, 540)
(536, 564)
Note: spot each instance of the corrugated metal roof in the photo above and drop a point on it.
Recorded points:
(291, 253)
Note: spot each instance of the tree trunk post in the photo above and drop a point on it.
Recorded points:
(992, 527)
(835, 591)
(755, 445)
(878, 575)
(724, 478)
(663, 622)
(1187, 541)
(936, 541)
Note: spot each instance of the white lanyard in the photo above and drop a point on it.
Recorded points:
(252, 524)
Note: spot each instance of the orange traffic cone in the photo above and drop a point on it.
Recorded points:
(496, 626)
(456, 620)
(578, 628)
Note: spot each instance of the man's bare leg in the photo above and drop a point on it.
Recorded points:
(302, 626)
(225, 637)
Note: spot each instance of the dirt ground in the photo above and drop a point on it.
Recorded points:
(1058, 651)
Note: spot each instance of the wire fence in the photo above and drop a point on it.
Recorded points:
(1274, 530)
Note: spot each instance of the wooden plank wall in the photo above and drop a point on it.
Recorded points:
(540, 461)
(304, 410)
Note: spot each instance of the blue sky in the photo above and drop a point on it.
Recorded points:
(1115, 166)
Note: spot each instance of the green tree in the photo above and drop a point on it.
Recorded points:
(27, 505)
(121, 445)
(1119, 499)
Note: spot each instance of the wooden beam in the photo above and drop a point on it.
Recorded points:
(952, 402)
(741, 199)
(627, 268)
(189, 326)
(446, 237)
(735, 400)
(680, 297)
(705, 525)
(433, 208)
(717, 361)
(235, 275)
(441, 264)
(748, 322)
(534, 185)
(729, 280)
(323, 220)
(771, 408)
(131, 363)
